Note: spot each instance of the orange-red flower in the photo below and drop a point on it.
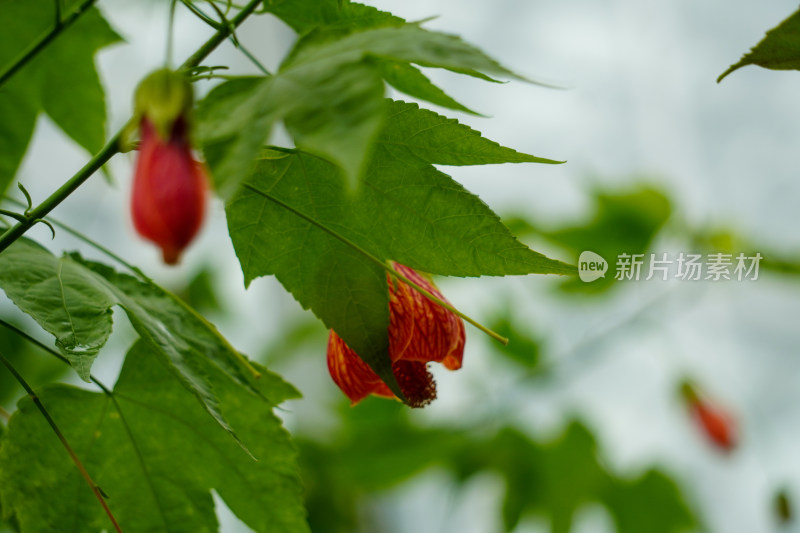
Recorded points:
(169, 185)
(420, 332)
(716, 424)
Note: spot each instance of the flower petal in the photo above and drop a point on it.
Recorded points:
(351, 374)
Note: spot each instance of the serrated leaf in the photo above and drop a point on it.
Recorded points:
(154, 452)
(411, 81)
(416, 135)
(779, 50)
(72, 298)
(328, 15)
(61, 80)
(327, 246)
(306, 15)
(329, 95)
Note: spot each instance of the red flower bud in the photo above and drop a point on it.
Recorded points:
(169, 190)
(420, 331)
(169, 185)
(716, 424)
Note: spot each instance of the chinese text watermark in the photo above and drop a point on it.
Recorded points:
(683, 266)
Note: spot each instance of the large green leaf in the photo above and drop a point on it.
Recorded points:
(779, 50)
(326, 245)
(61, 80)
(329, 94)
(72, 299)
(154, 452)
(332, 15)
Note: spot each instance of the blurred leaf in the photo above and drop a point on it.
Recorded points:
(524, 347)
(779, 50)
(61, 81)
(305, 330)
(200, 293)
(330, 96)
(378, 447)
(155, 452)
(37, 367)
(782, 507)
(623, 222)
(72, 298)
(375, 449)
(326, 244)
(556, 479)
(306, 15)
(650, 503)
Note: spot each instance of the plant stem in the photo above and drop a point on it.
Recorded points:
(220, 35)
(32, 340)
(112, 146)
(170, 34)
(60, 26)
(98, 492)
(41, 210)
(384, 265)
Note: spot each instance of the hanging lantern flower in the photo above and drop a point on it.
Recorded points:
(420, 332)
(169, 185)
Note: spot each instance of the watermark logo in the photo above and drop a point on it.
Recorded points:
(683, 266)
(591, 266)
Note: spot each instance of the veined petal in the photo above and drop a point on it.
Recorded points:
(420, 331)
(351, 374)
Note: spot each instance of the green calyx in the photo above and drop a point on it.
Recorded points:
(163, 97)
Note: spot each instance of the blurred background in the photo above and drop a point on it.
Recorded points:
(579, 424)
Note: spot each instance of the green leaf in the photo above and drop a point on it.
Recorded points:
(61, 80)
(411, 81)
(524, 347)
(154, 452)
(417, 136)
(378, 447)
(327, 18)
(72, 298)
(37, 367)
(554, 479)
(329, 95)
(650, 503)
(623, 221)
(779, 50)
(327, 246)
(306, 15)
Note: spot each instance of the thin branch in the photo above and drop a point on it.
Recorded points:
(5, 415)
(112, 146)
(40, 45)
(32, 340)
(98, 492)
(91, 242)
(384, 265)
